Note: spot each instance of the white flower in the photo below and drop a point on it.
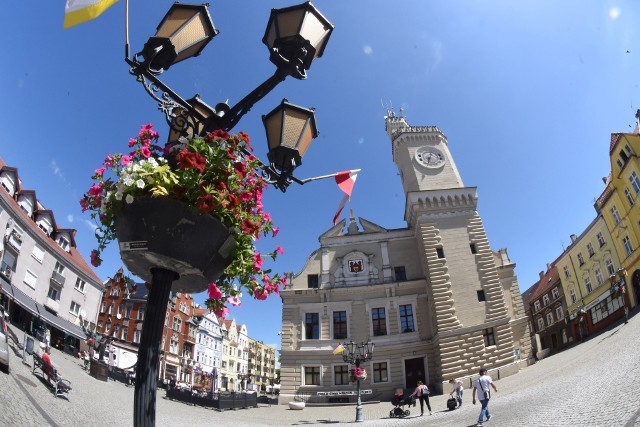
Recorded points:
(136, 167)
(127, 181)
(140, 183)
(129, 199)
(118, 195)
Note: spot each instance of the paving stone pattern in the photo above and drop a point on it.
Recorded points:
(591, 384)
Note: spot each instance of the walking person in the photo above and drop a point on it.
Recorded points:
(458, 388)
(422, 393)
(481, 387)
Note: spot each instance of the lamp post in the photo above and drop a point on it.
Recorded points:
(355, 354)
(618, 286)
(294, 36)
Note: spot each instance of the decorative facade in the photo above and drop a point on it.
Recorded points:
(262, 365)
(208, 351)
(178, 340)
(434, 297)
(45, 282)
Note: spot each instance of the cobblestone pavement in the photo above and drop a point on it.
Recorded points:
(591, 384)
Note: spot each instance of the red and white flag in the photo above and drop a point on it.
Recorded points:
(345, 181)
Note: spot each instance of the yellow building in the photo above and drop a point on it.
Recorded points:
(585, 269)
(619, 206)
(262, 364)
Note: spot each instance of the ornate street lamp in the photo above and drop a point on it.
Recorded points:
(295, 36)
(618, 287)
(355, 354)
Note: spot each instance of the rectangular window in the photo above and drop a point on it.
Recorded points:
(54, 293)
(549, 319)
(141, 313)
(616, 215)
(572, 295)
(559, 313)
(440, 252)
(379, 321)
(339, 325)
(600, 238)
(406, 318)
(555, 293)
(536, 305)
(590, 250)
(627, 245)
(125, 331)
(489, 339)
(136, 336)
(481, 296)
(472, 246)
(580, 258)
(311, 375)
(566, 272)
(74, 308)
(120, 309)
(635, 182)
(80, 284)
(400, 273)
(59, 268)
(30, 279)
(599, 278)
(629, 197)
(312, 326)
(540, 324)
(341, 375)
(99, 327)
(103, 308)
(312, 281)
(111, 309)
(380, 372)
(107, 327)
(610, 269)
(588, 285)
(38, 253)
(545, 300)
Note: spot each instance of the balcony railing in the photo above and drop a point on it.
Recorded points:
(58, 278)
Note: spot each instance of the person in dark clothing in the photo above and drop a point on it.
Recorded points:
(422, 393)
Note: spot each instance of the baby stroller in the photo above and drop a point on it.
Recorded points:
(399, 401)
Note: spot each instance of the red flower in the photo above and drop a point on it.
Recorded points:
(207, 203)
(219, 133)
(188, 160)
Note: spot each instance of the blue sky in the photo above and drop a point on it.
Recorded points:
(526, 92)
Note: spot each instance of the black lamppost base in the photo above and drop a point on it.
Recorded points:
(144, 406)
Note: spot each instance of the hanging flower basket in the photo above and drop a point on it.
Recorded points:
(164, 233)
(358, 374)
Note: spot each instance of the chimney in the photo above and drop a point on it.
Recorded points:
(541, 275)
(573, 238)
(604, 179)
(548, 266)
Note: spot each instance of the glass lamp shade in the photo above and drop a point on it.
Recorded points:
(290, 130)
(184, 32)
(296, 35)
(351, 348)
(180, 126)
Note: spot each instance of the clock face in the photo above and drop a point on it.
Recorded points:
(430, 157)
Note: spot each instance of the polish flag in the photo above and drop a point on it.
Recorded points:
(345, 181)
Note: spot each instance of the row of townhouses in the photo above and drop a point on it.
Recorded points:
(597, 277)
(51, 292)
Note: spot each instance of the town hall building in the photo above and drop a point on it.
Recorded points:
(434, 297)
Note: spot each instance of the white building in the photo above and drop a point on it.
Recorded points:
(46, 283)
(208, 350)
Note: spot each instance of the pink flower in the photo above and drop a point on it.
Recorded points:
(145, 152)
(125, 160)
(214, 292)
(279, 249)
(234, 301)
(132, 142)
(95, 190)
(275, 231)
(260, 294)
(100, 171)
(257, 259)
(221, 312)
(95, 258)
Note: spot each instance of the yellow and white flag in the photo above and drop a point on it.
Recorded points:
(339, 349)
(79, 11)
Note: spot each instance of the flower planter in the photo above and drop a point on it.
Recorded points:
(156, 232)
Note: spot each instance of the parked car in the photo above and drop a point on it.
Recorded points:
(4, 344)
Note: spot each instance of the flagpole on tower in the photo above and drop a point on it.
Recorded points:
(126, 29)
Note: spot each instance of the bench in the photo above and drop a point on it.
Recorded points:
(60, 385)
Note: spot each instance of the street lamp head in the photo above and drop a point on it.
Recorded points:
(295, 36)
(184, 32)
(290, 130)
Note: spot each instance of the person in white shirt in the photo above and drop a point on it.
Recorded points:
(481, 387)
(458, 388)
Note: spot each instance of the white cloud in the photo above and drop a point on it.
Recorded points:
(90, 224)
(56, 169)
(360, 141)
(368, 50)
(70, 217)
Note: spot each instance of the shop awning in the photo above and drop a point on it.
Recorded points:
(62, 324)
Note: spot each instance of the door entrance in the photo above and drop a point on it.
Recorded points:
(414, 372)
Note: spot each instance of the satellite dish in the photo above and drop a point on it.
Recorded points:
(119, 316)
(139, 326)
(83, 313)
